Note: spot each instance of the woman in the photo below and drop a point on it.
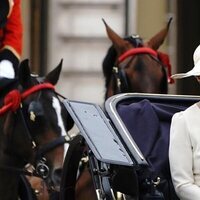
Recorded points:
(184, 149)
(11, 33)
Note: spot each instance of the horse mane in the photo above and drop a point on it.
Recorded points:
(108, 63)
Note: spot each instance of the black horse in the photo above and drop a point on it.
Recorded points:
(32, 122)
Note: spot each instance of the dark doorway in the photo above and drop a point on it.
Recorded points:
(39, 27)
(188, 38)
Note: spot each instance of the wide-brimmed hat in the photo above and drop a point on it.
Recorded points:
(196, 69)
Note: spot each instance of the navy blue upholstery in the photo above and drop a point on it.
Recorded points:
(149, 125)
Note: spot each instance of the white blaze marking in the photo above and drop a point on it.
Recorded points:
(57, 107)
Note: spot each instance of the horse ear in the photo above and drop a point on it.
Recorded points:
(159, 38)
(53, 76)
(119, 43)
(24, 74)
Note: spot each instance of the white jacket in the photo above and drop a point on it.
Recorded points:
(184, 153)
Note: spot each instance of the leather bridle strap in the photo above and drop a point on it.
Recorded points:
(120, 76)
(121, 80)
(51, 145)
(18, 170)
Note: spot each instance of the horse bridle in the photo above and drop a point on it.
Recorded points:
(41, 169)
(120, 77)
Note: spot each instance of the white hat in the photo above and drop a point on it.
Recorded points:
(196, 69)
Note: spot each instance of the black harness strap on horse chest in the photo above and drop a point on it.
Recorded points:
(50, 146)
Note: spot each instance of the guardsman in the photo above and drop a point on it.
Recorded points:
(11, 35)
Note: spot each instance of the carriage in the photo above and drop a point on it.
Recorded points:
(121, 150)
(125, 145)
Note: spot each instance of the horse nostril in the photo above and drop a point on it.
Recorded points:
(56, 176)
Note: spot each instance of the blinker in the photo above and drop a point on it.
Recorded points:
(35, 109)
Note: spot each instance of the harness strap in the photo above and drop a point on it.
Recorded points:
(18, 170)
(124, 79)
(51, 145)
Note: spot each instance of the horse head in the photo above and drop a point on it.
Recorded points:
(132, 65)
(35, 126)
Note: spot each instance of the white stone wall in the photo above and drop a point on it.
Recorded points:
(77, 34)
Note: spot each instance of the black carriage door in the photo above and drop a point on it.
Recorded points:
(188, 38)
